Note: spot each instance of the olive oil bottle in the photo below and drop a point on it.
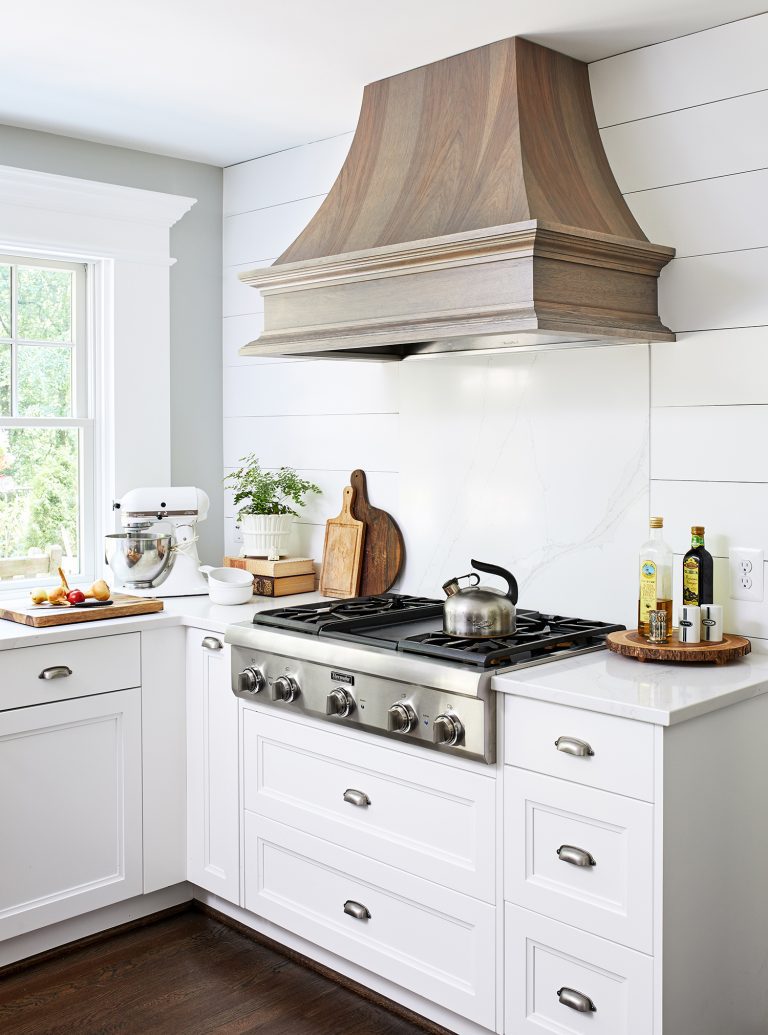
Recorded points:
(655, 577)
(697, 570)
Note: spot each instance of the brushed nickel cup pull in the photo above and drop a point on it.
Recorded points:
(574, 746)
(576, 1000)
(575, 856)
(356, 797)
(357, 910)
(55, 672)
(211, 643)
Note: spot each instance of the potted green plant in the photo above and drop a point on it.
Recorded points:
(266, 501)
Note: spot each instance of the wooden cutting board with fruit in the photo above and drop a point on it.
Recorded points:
(63, 605)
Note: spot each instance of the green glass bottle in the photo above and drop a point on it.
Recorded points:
(697, 570)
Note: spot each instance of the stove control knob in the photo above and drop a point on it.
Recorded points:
(401, 718)
(250, 681)
(447, 729)
(284, 688)
(339, 702)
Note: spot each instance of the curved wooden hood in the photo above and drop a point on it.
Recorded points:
(476, 209)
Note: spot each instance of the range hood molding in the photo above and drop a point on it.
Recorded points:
(476, 200)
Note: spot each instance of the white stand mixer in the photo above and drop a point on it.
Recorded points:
(157, 554)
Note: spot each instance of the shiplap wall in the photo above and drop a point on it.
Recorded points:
(321, 417)
(684, 127)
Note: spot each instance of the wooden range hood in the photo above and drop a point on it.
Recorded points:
(476, 209)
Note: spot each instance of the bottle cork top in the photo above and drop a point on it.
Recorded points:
(697, 530)
(657, 522)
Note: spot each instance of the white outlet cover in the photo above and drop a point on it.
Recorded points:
(746, 585)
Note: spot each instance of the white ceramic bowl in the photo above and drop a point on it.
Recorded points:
(228, 585)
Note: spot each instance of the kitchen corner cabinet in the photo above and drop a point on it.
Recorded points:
(70, 773)
(213, 845)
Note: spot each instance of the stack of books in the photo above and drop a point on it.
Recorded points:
(277, 578)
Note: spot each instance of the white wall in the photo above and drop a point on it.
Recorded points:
(683, 124)
(323, 417)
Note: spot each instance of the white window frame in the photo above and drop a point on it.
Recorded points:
(122, 235)
(84, 404)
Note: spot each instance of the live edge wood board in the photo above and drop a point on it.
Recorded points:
(631, 644)
(476, 200)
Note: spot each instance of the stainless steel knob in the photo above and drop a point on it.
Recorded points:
(285, 688)
(339, 702)
(250, 681)
(447, 729)
(401, 718)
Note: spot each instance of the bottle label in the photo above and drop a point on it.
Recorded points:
(647, 587)
(691, 581)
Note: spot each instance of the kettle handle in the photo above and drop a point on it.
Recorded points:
(509, 578)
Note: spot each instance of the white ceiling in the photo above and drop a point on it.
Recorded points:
(228, 81)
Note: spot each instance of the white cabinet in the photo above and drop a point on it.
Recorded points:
(213, 850)
(70, 808)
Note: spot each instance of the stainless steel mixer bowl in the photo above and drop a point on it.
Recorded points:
(138, 558)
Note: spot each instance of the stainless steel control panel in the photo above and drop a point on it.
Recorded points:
(434, 718)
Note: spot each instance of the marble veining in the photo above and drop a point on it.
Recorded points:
(534, 460)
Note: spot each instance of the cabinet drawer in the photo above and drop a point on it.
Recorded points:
(612, 895)
(96, 666)
(622, 749)
(544, 959)
(425, 938)
(420, 814)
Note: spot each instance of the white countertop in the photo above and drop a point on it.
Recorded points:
(648, 691)
(190, 611)
(602, 682)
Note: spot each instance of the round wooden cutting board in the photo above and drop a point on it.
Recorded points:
(631, 644)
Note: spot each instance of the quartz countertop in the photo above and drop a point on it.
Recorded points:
(649, 691)
(190, 611)
(601, 681)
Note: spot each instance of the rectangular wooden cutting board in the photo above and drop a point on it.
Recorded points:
(43, 616)
(343, 551)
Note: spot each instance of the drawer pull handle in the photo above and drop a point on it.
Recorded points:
(576, 1000)
(211, 643)
(55, 672)
(575, 856)
(356, 797)
(357, 910)
(574, 746)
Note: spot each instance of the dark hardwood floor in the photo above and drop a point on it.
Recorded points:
(183, 975)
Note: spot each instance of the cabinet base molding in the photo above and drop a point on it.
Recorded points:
(428, 1016)
(56, 939)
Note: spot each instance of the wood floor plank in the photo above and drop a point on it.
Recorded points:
(184, 975)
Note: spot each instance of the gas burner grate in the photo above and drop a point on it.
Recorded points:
(328, 615)
(536, 636)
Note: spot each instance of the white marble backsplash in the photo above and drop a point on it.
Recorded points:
(537, 461)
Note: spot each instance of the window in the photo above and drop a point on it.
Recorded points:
(46, 424)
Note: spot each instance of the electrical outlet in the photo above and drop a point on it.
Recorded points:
(745, 567)
(237, 535)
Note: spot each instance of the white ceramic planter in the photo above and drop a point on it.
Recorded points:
(265, 534)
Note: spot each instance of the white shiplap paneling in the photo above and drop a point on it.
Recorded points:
(707, 292)
(711, 368)
(313, 387)
(729, 213)
(696, 69)
(263, 232)
(733, 513)
(710, 443)
(285, 175)
(715, 139)
(240, 299)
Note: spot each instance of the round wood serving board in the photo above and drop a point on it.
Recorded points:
(631, 644)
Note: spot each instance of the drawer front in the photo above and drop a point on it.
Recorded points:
(602, 878)
(422, 815)
(95, 666)
(547, 962)
(425, 938)
(622, 749)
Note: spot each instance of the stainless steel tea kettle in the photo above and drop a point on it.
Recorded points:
(480, 611)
